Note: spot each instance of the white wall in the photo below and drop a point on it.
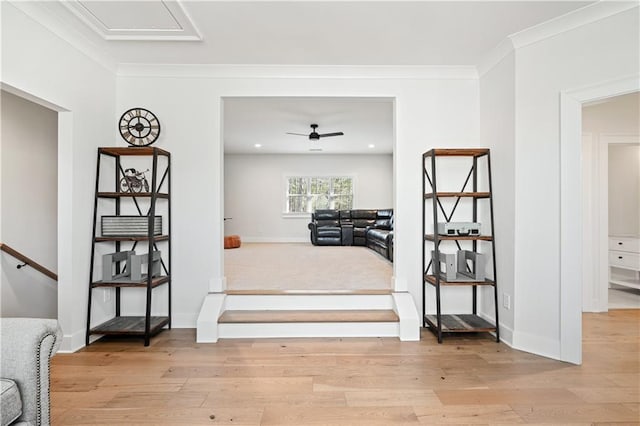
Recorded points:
(40, 64)
(618, 116)
(29, 145)
(497, 132)
(254, 189)
(434, 108)
(588, 55)
(624, 189)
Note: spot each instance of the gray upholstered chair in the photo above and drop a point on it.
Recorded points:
(26, 346)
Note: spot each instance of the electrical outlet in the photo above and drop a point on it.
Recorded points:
(506, 301)
(107, 295)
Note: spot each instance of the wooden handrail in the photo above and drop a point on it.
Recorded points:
(24, 259)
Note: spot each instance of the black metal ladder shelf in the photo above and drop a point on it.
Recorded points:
(145, 325)
(440, 323)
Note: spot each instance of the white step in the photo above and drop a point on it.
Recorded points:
(308, 302)
(307, 316)
(310, 315)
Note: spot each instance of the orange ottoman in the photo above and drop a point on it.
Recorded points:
(232, 241)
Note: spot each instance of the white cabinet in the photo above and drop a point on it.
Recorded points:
(624, 261)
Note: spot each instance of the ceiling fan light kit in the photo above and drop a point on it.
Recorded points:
(314, 136)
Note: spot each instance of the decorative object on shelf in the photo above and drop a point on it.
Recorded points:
(121, 226)
(134, 181)
(139, 127)
(460, 271)
(477, 270)
(469, 269)
(110, 261)
(448, 268)
(133, 269)
(458, 228)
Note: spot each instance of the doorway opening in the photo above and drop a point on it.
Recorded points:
(611, 203)
(29, 207)
(572, 210)
(276, 176)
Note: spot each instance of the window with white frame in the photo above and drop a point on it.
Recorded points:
(305, 194)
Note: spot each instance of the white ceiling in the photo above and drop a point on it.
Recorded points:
(265, 121)
(309, 32)
(303, 33)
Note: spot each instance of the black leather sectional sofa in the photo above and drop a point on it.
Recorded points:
(370, 228)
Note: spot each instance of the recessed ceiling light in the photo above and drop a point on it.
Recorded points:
(371, 145)
(258, 145)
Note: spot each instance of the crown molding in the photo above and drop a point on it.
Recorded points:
(570, 21)
(44, 15)
(222, 71)
(495, 56)
(47, 16)
(567, 22)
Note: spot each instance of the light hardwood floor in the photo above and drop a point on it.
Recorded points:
(366, 381)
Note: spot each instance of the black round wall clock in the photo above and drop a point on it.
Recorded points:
(139, 127)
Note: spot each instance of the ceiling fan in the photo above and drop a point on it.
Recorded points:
(314, 136)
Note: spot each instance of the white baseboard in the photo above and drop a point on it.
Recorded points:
(72, 342)
(184, 320)
(406, 310)
(506, 333)
(536, 345)
(207, 323)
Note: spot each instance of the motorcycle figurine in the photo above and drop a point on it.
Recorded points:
(134, 181)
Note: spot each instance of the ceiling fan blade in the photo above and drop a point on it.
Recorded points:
(331, 134)
(297, 134)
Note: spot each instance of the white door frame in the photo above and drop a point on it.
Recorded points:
(218, 285)
(571, 231)
(592, 222)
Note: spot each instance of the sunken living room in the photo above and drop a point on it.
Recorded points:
(282, 196)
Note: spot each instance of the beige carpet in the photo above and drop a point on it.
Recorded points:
(304, 267)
